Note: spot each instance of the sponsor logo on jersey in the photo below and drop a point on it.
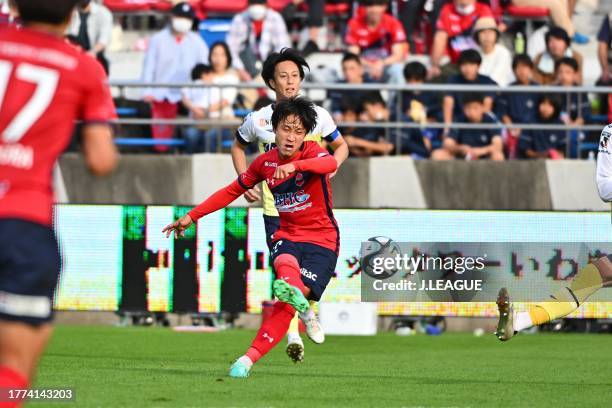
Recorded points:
(291, 202)
(270, 164)
(308, 274)
(299, 179)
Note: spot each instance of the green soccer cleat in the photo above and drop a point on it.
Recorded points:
(505, 326)
(238, 370)
(290, 294)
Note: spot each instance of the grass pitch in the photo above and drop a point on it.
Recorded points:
(155, 367)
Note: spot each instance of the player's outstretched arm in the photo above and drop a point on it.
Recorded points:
(99, 149)
(178, 227)
(317, 165)
(221, 199)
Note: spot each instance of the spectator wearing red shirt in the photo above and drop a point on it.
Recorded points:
(454, 31)
(379, 39)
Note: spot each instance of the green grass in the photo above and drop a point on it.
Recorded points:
(154, 367)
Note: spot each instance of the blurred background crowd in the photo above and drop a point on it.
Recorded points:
(216, 47)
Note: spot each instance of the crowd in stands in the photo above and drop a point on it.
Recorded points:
(468, 45)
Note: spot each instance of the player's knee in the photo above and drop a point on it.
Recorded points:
(286, 260)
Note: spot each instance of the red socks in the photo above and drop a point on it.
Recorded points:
(288, 269)
(272, 331)
(275, 327)
(11, 379)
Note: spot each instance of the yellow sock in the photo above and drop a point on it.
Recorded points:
(568, 299)
(294, 326)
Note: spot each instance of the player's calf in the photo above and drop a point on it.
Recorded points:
(505, 325)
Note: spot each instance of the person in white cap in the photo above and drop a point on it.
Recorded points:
(496, 59)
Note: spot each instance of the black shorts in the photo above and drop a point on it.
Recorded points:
(271, 224)
(317, 264)
(29, 269)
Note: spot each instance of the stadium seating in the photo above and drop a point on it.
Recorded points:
(224, 6)
(142, 6)
(527, 14)
(123, 6)
(278, 5)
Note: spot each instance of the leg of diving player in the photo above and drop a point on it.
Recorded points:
(586, 282)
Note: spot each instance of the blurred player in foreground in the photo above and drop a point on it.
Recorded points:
(45, 85)
(587, 281)
(283, 72)
(297, 173)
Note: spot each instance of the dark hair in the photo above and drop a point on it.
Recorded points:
(261, 102)
(469, 57)
(472, 97)
(45, 11)
(257, 2)
(286, 54)
(199, 70)
(225, 47)
(569, 61)
(555, 101)
(373, 98)
(298, 106)
(522, 59)
(348, 104)
(558, 32)
(349, 56)
(415, 70)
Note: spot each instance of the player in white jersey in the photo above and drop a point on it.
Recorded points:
(587, 281)
(283, 72)
(604, 164)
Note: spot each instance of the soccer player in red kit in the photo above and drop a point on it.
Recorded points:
(45, 85)
(305, 247)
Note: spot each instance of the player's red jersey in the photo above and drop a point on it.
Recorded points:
(45, 85)
(375, 43)
(303, 200)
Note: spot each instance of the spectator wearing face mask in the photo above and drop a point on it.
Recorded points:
(254, 34)
(170, 57)
(92, 26)
(454, 31)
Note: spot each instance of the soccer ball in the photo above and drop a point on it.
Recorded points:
(378, 247)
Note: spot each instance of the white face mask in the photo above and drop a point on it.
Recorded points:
(181, 24)
(465, 10)
(257, 12)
